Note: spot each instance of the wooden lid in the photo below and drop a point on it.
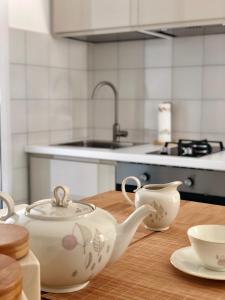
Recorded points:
(10, 278)
(14, 240)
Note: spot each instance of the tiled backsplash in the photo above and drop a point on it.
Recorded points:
(189, 72)
(48, 85)
(52, 80)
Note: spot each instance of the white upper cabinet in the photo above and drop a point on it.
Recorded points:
(85, 15)
(109, 14)
(89, 17)
(159, 12)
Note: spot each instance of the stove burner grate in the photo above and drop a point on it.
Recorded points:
(191, 148)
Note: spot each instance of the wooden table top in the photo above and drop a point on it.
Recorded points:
(145, 271)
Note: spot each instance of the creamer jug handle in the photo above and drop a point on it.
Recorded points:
(129, 200)
(8, 200)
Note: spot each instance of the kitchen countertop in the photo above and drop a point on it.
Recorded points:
(145, 271)
(135, 154)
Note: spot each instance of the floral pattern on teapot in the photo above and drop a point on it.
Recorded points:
(96, 240)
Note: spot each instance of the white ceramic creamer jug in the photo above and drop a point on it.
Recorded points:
(163, 197)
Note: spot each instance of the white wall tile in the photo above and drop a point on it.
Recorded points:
(17, 46)
(20, 185)
(79, 109)
(188, 51)
(61, 136)
(214, 49)
(176, 135)
(158, 53)
(37, 83)
(135, 135)
(39, 138)
(37, 48)
(186, 116)
(60, 114)
(151, 114)
(17, 81)
(58, 52)
(102, 134)
(38, 115)
(78, 84)
(187, 83)
(158, 83)
(150, 136)
(90, 56)
(90, 114)
(58, 84)
(213, 116)
(78, 55)
(213, 136)
(19, 116)
(214, 82)
(80, 133)
(131, 114)
(105, 56)
(19, 155)
(131, 55)
(131, 84)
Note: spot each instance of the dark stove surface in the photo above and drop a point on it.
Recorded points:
(190, 148)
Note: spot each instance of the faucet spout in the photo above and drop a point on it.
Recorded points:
(117, 133)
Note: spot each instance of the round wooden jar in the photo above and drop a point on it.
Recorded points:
(10, 278)
(14, 241)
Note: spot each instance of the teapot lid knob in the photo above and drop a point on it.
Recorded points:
(60, 196)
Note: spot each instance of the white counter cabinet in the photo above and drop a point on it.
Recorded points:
(153, 12)
(83, 177)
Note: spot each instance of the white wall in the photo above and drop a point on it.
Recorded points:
(32, 15)
(4, 101)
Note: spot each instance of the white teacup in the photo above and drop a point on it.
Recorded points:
(208, 242)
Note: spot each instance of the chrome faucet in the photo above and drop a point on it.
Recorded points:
(117, 133)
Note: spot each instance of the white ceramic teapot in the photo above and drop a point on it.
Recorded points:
(163, 197)
(72, 241)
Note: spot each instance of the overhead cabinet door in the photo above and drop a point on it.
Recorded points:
(85, 15)
(173, 11)
(109, 13)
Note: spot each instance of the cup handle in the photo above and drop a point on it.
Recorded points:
(129, 200)
(8, 200)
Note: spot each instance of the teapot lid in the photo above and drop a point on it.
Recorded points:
(58, 208)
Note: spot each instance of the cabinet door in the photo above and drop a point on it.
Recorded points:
(80, 177)
(70, 15)
(110, 13)
(173, 11)
(83, 15)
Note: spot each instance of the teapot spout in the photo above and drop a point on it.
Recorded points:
(127, 229)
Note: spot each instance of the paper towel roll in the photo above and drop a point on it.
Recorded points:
(164, 122)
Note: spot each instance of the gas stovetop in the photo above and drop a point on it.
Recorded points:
(190, 148)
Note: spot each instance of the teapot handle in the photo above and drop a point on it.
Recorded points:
(8, 200)
(130, 201)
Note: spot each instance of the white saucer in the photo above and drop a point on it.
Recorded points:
(186, 260)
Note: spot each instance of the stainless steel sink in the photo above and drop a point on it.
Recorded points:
(99, 144)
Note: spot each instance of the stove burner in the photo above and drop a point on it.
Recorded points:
(191, 148)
